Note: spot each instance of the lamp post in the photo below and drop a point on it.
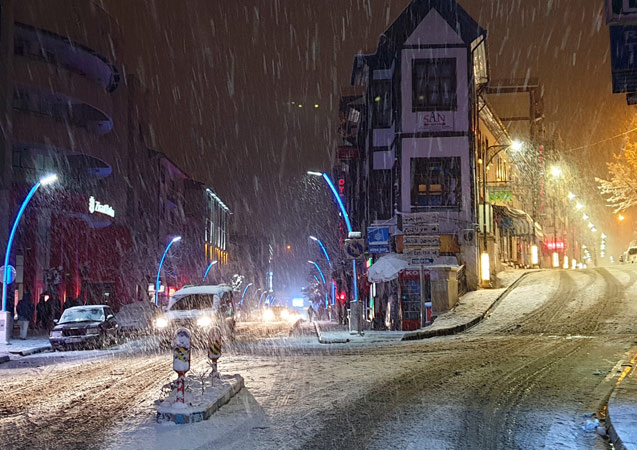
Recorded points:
(485, 271)
(314, 238)
(348, 224)
(42, 182)
(212, 263)
(322, 277)
(161, 262)
(244, 292)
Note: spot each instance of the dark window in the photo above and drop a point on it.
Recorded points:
(435, 182)
(434, 85)
(381, 104)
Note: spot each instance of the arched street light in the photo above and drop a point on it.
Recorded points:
(322, 277)
(42, 182)
(348, 224)
(208, 269)
(314, 238)
(244, 292)
(161, 262)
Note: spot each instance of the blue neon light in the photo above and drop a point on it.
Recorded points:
(157, 283)
(10, 242)
(244, 292)
(320, 271)
(339, 201)
(208, 269)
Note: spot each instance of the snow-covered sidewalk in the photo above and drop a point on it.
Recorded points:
(33, 344)
(622, 413)
(470, 310)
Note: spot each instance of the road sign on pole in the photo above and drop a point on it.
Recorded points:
(354, 248)
(11, 274)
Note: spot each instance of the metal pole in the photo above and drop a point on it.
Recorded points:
(157, 282)
(484, 198)
(423, 314)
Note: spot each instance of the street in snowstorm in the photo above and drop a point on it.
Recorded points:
(332, 224)
(529, 376)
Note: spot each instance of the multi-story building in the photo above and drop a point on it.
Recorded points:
(99, 232)
(415, 131)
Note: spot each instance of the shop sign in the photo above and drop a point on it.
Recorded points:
(378, 240)
(421, 241)
(500, 196)
(95, 206)
(419, 219)
(427, 228)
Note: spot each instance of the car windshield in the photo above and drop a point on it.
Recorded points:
(632, 251)
(82, 315)
(195, 301)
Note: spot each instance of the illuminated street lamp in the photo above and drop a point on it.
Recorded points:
(348, 224)
(556, 171)
(322, 277)
(244, 292)
(620, 217)
(208, 269)
(48, 179)
(485, 273)
(571, 196)
(315, 239)
(579, 206)
(161, 262)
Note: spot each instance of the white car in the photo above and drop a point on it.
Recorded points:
(197, 308)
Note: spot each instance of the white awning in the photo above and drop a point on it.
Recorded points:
(387, 268)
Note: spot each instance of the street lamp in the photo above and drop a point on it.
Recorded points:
(485, 270)
(212, 263)
(328, 180)
(244, 292)
(328, 262)
(48, 179)
(322, 277)
(161, 262)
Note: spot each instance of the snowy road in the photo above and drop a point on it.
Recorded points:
(524, 378)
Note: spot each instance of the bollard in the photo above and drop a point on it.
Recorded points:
(214, 349)
(181, 360)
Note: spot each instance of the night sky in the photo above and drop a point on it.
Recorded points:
(222, 75)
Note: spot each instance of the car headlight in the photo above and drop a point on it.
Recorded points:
(56, 334)
(268, 315)
(161, 322)
(285, 314)
(204, 321)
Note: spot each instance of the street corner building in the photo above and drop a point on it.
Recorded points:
(421, 157)
(67, 109)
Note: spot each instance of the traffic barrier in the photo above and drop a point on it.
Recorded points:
(214, 350)
(181, 360)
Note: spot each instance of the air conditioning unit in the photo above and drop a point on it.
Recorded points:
(467, 236)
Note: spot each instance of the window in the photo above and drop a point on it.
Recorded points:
(435, 182)
(434, 85)
(381, 104)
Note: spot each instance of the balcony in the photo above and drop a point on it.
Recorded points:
(70, 87)
(32, 130)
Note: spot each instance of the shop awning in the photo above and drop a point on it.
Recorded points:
(387, 268)
(516, 221)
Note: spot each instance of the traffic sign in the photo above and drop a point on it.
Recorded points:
(419, 219)
(11, 274)
(421, 241)
(378, 240)
(354, 248)
(429, 252)
(420, 261)
(425, 228)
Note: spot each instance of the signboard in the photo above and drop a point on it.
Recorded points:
(421, 261)
(10, 275)
(430, 252)
(378, 240)
(428, 228)
(354, 248)
(500, 196)
(421, 241)
(95, 206)
(419, 219)
(436, 120)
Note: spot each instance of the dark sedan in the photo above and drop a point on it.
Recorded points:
(85, 326)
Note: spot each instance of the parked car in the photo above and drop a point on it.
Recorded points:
(84, 326)
(137, 317)
(631, 255)
(197, 308)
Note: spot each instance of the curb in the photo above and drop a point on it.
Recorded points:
(612, 432)
(199, 416)
(427, 334)
(33, 350)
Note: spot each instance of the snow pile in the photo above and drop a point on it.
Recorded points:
(202, 393)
